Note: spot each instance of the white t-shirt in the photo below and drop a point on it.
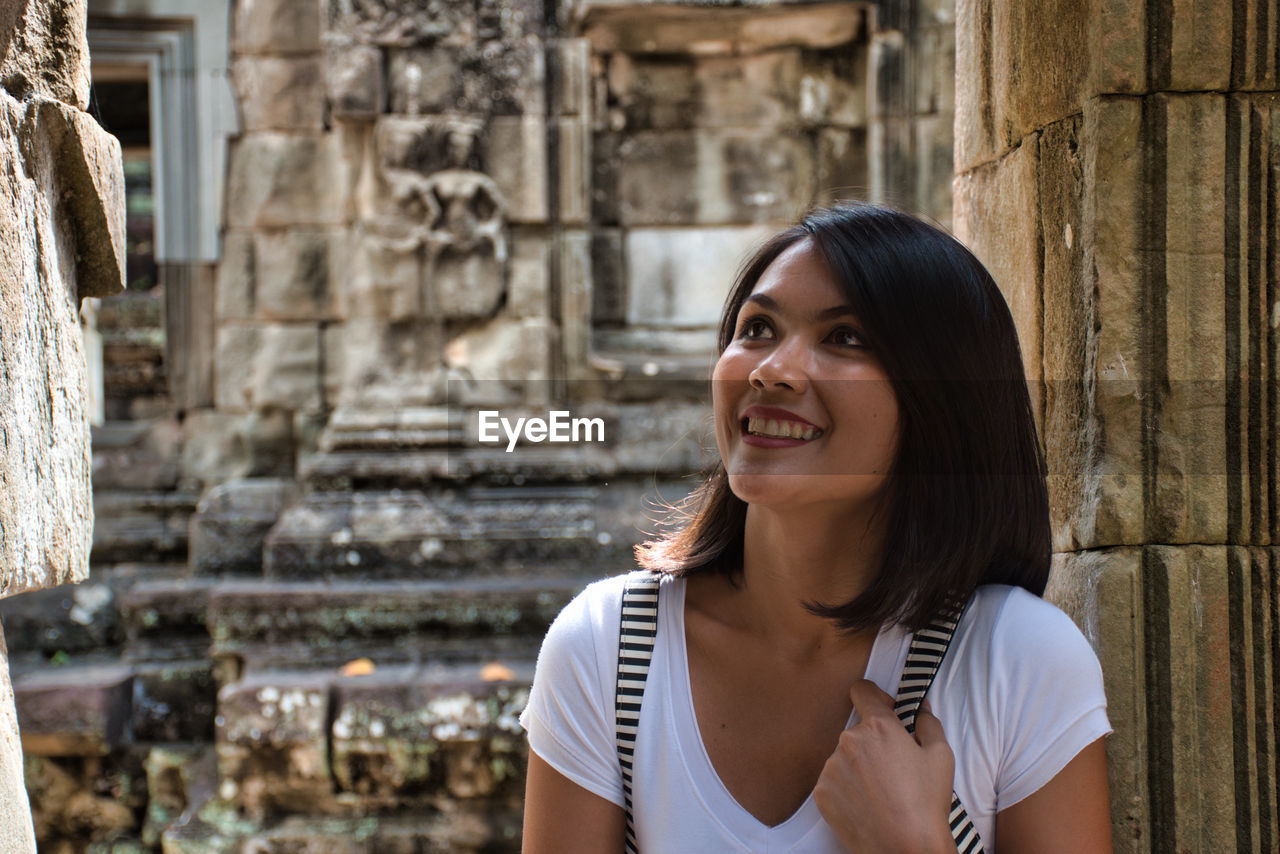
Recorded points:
(1019, 694)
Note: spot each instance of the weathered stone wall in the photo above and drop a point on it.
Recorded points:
(62, 217)
(1117, 167)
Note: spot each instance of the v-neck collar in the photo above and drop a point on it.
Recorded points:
(884, 664)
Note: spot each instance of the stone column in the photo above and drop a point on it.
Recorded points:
(1117, 167)
(62, 217)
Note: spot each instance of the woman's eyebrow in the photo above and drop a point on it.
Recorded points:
(770, 304)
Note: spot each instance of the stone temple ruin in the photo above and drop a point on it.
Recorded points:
(316, 596)
(351, 226)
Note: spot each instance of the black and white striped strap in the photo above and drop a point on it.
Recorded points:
(639, 628)
(928, 648)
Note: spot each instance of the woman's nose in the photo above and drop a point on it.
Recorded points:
(784, 367)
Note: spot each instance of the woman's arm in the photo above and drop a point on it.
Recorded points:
(560, 815)
(1071, 814)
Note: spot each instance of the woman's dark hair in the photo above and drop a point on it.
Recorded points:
(965, 499)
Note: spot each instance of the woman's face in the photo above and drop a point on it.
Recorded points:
(805, 414)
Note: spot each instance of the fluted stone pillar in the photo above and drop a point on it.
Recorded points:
(62, 227)
(1117, 167)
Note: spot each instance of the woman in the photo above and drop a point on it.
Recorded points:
(878, 455)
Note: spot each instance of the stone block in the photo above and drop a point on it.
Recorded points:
(1118, 48)
(298, 272)
(279, 93)
(997, 214)
(743, 31)
(136, 455)
(680, 277)
(81, 710)
(975, 114)
(286, 180)
(574, 149)
(174, 702)
(231, 524)
(713, 177)
(507, 350)
(1114, 209)
(327, 624)
(237, 277)
(1193, 468)
(133, 526)
(220, 446)
(934, 50)
(45, 53)
(760, 90)
(1193, 639)
(71, 803)
(179, 778)
(495, 78)
(933, 153)
(575, 303)
(68, 619)
(389, 534)
(272, 743)
(1046, 37)
(1103, 592)
(401, 729)
(268, 366)
(528, 289)
(572, 93)
(516, 158)
(608, 278)
(1199, 37)
(85, 166)
(386, 281)
(276, 26)
(165, 619)
(354, 81)
(1069, 430)
(833, 88)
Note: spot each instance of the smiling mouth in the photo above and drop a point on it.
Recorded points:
(772, 428)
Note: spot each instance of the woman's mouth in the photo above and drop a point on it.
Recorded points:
(777, 428)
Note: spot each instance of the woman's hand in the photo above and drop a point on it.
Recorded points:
(884, 789)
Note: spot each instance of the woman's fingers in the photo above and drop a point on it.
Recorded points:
(928, 728)
(869, 701)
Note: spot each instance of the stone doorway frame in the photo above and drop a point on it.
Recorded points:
(183, 44)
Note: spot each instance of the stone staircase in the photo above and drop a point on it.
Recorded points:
(328, 664)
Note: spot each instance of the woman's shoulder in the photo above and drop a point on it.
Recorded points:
(596, 609)
(1023, 631)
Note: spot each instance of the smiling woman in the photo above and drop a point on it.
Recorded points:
(877, 525)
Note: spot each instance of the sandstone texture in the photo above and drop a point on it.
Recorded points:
(1119, 181)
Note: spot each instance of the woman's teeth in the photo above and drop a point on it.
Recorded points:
(775, 429)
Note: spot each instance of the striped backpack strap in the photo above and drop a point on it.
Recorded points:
(928, 647)
(637, 632)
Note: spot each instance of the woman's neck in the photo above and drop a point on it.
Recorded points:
(803, 556)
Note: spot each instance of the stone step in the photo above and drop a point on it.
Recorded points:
(76, 618)
(310, 741)
(276, 624)
(470, 829)
(560, 530)
(94, 706)
(138, 525)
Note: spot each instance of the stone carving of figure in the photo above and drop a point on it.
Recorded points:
(463, 230)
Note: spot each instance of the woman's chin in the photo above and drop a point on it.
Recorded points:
(778, 490)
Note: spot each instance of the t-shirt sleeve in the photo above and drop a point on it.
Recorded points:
(569, 717)
(1048, 694)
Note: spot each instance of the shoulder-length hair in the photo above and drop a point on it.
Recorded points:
(965, 499)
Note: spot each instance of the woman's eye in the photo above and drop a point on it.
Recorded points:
(755, 327)
(845, 336)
